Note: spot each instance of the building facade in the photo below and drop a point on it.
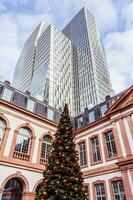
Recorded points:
(104, 140)
(91, 77)
(65, 66)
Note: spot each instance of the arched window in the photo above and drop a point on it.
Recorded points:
(2, 130)
(13, 190)
(22, 146)
(45, 149)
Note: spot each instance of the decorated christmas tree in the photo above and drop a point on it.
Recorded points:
(62, 176)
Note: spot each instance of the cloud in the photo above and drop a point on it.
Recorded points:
(2, 7)
(128, 14)
(9, 50)
(104, 10)
(17, 5)
(118, 47)
(26, 23)
(14, 31)
(19, 18)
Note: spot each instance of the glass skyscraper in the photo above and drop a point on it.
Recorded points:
(67, 66)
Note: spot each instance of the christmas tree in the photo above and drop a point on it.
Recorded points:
(62, 176)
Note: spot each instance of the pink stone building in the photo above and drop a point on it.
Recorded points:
(104, 140)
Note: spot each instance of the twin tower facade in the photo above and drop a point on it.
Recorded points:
(67, 66)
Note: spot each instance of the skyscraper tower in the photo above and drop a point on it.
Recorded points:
(91, 76)
(67, 66)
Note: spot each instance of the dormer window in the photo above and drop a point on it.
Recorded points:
(80, 122)
(30, 105)
(103, 109)
(50, 114)
(7, 94)
(91, 117)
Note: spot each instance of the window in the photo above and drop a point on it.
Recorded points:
(82, 154)
(50, 114)
(91, 117)
(30, 105)
(7, 94)
(110, 145)
(103, 109)
(23, 141)
(2, 130)
(100, 192)
(46, 149)
(13, 190)
(95, 149)
(80, 122)
(118, 190)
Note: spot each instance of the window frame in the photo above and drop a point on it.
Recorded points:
(94, 189)
(91, 121)
(84, 152)
(103, 113)
(6, 133)
(3, 94)
(23, 157)
(49, 111)
(92, 162)
(22, 144)
(119, 193)
(105, 145)
(45, 158)
(3, 134)
(111, 188)
(79, 122)
(28, 107)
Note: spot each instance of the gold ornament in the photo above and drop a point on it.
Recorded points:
(76, 189)
(58, 182)
(65, 181)
(77, 179)
(57, 162)
(45, 193)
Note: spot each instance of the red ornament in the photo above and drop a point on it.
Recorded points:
(46, 181)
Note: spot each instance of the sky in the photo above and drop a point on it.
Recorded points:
(18, 18)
